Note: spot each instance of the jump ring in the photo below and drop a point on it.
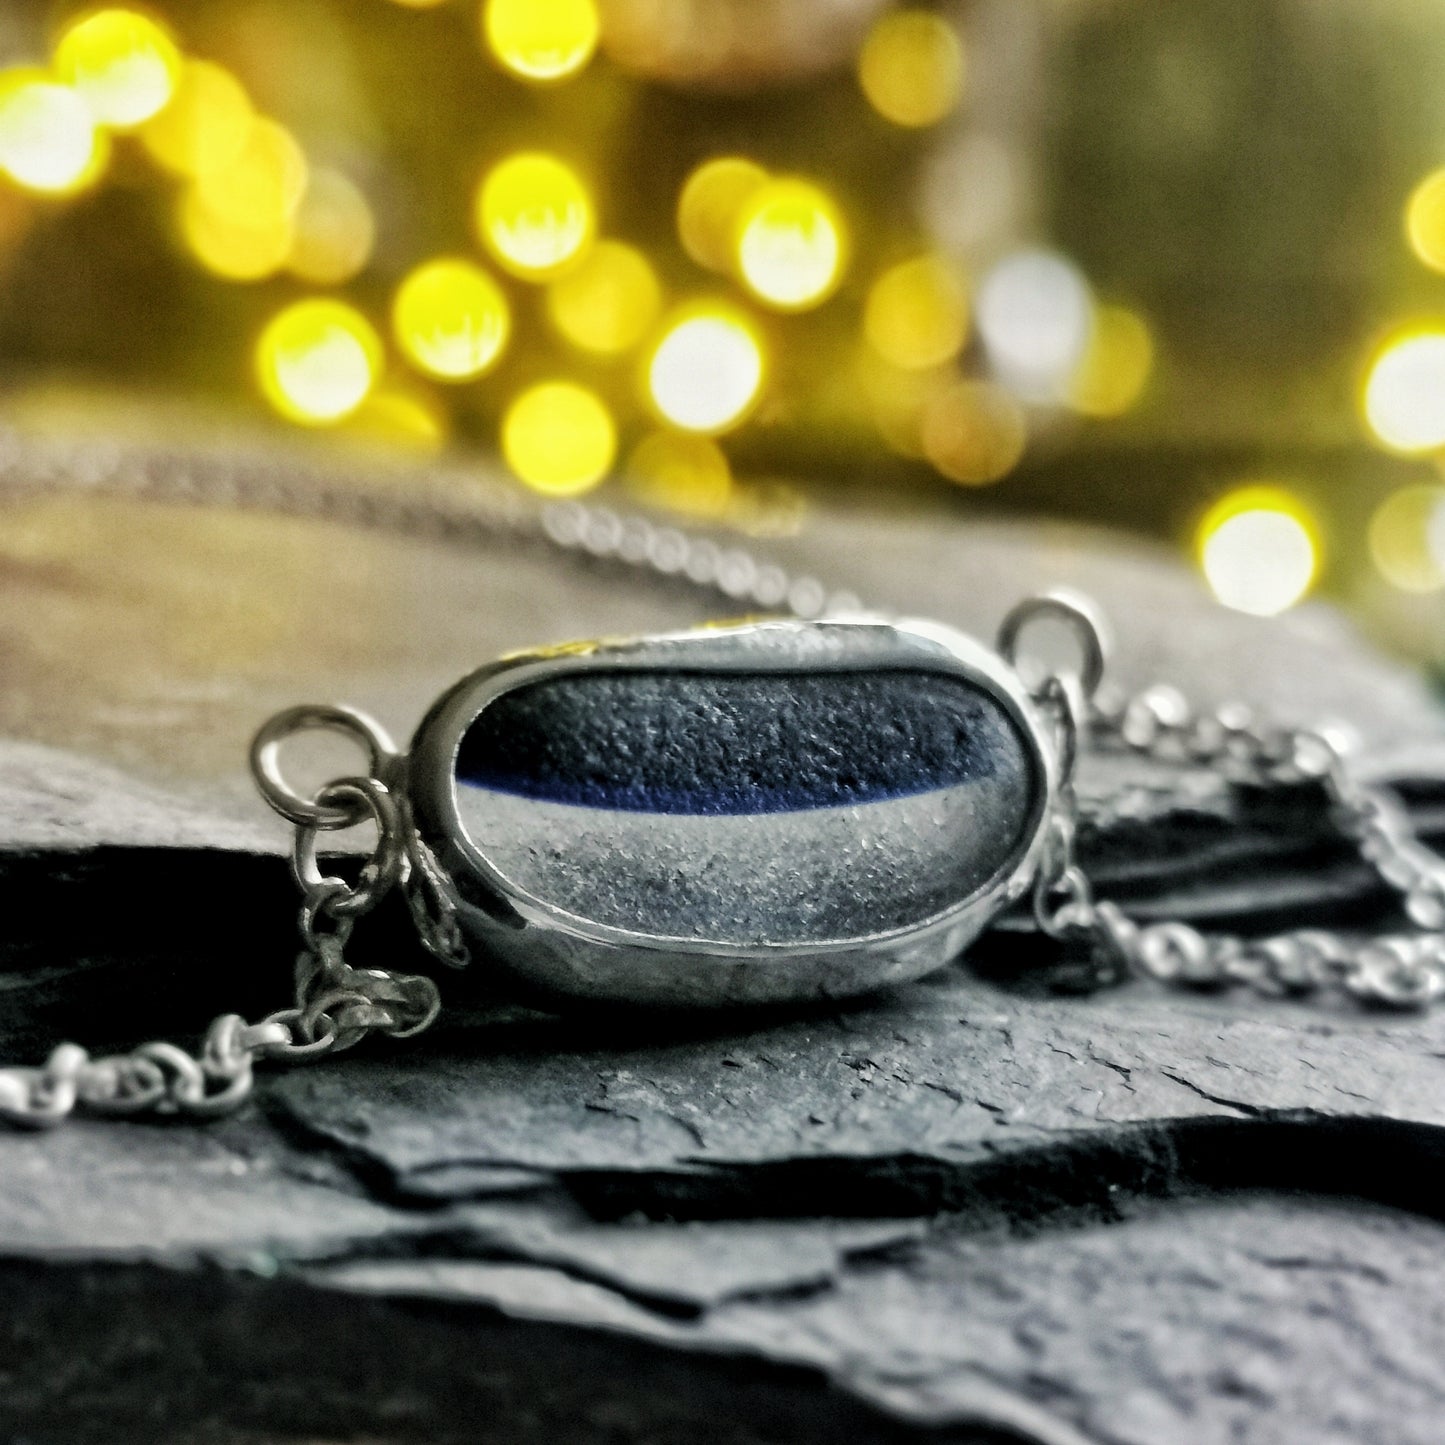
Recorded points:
(266, 768)
(381, 871)
(1080, 616)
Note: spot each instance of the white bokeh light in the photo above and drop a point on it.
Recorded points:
(706, 371)
(1035, 315)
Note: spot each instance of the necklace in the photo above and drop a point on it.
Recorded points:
(815, 805)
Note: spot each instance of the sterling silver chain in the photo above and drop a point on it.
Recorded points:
(336, 1005)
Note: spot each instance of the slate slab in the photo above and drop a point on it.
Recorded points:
(971, 1210)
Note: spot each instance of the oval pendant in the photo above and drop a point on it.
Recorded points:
(765, 812)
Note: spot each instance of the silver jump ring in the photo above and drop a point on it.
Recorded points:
(1081, 617)
(266, 767)
(1063, 695)
(381, 871)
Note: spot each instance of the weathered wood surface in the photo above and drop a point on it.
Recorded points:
(971, 1210)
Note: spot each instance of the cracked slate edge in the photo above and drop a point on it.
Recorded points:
(187, 1360)
(525, 1255)
(947, 1068)
(1291, 1320)
(958, 1371)
(244, 1196)
(602, 1283)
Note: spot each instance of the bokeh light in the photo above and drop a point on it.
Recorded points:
(916, 314)
(1035, 316)
(1116, 366)
(995, 175)
(451, 319)
(1407, 538)
(334, 230)
(790, 244)
(206, 123)
(124, 65)
(399, 419)
(709, 204)
(1258, 549)
(534, 214)
(541, 39)
(608, 301)
(317, 360)
(232, 249)
(973, 432)
(1425, 220)
(1404, 395)
(705, 373)
(896, 397)
(238, 215)
(262, 184)
(681, 473)
(559, 438)
(48, 138)
(911, 67)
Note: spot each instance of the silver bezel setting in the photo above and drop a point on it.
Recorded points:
(558, 954)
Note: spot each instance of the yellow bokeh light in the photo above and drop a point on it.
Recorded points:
(205, 125)
(399, 419)
(559, 438)
(317, 360)
(233, 250)
(683, 473)
(1425, 220)
(708, 207)
(705, 373)
(334, 230)
(607, 302)
(1404, 396)
(790, 244)
(911, 67)
(973, 432)
(124, 65)
(534, 214)
(451, 319)
(1257, 547)
(1116, 364)
(48, 139)
(896, 397)
(916, 315)
(541, 39)
(263, 183)
(1407, 538)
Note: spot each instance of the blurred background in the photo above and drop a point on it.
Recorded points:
(1172, 266)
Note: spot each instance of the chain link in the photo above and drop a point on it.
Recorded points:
(1405, 971)
(334, 1005)
(456, 503)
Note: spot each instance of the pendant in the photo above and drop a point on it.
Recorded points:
(778, 810)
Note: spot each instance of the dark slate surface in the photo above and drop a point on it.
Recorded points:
(974, 1210)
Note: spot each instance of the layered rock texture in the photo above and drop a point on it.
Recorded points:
(976, 1209)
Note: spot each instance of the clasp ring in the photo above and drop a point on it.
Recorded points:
(308, 812)
(1078, 614)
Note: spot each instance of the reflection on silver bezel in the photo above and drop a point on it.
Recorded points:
(558, 953)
